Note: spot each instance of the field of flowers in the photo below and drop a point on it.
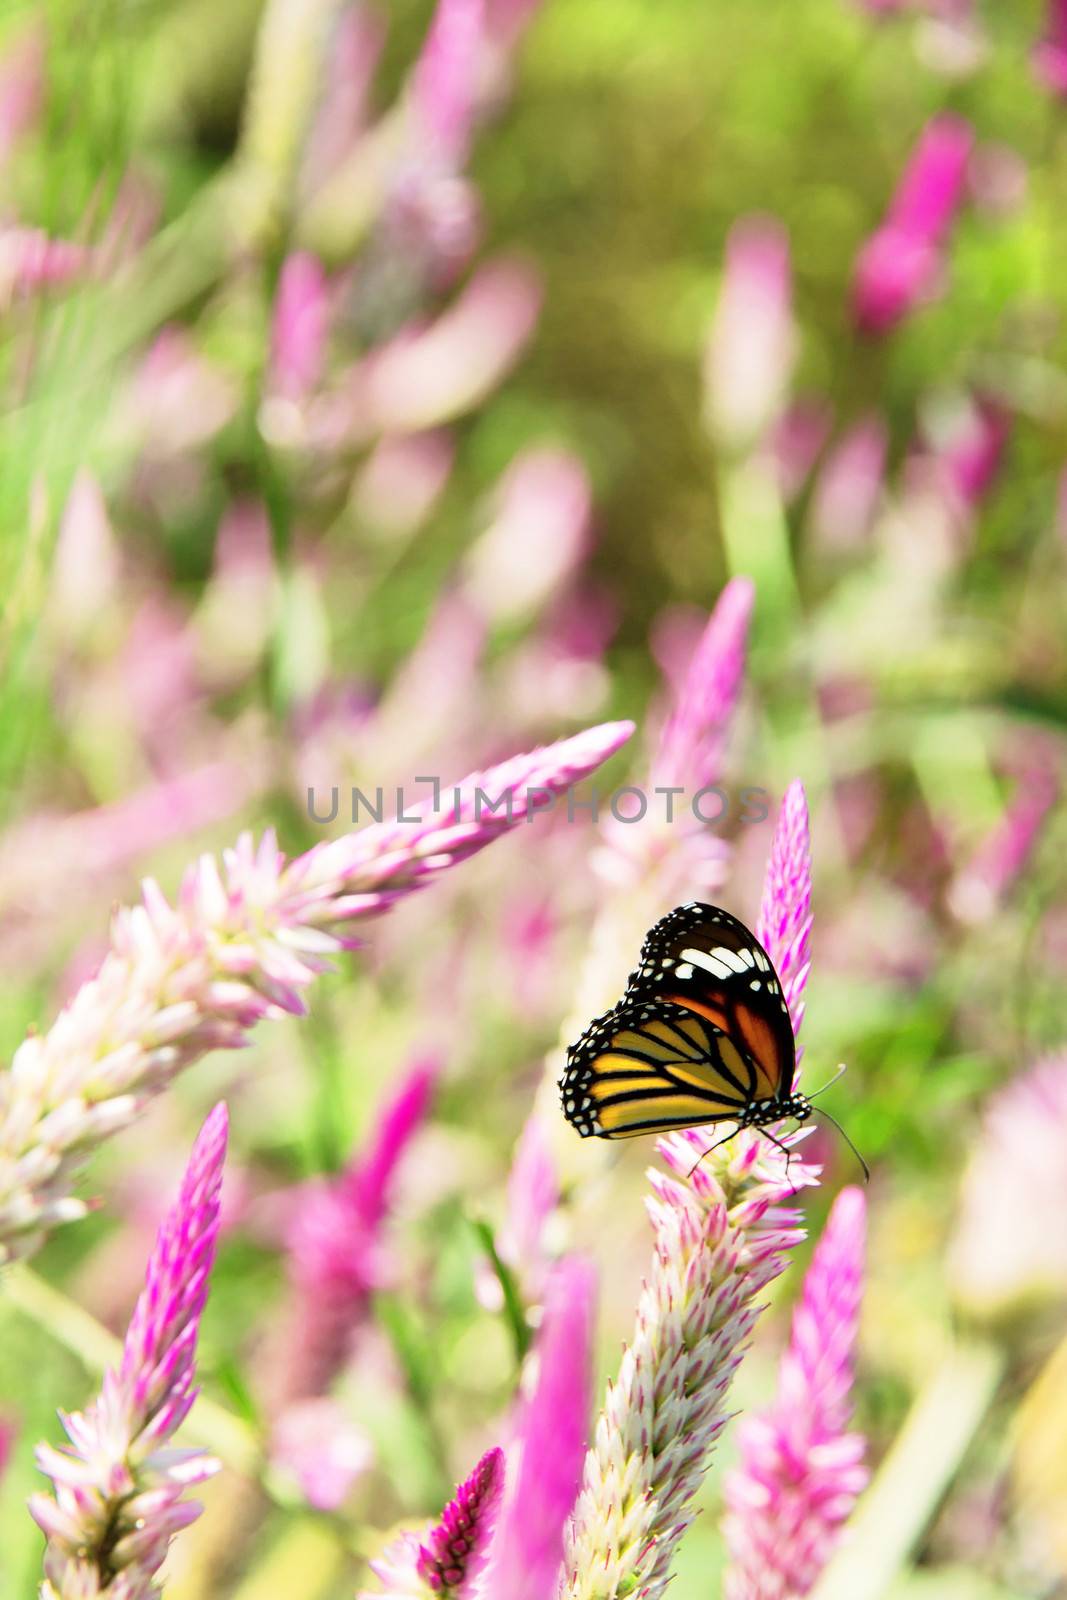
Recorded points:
(474, 476)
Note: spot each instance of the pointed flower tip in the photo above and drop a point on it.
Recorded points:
(455, 1551)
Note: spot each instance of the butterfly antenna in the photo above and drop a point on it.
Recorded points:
(829, 1085)
(848, 1141)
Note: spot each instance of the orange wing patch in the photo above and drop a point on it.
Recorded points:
(760, 1041)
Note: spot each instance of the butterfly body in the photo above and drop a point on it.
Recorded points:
(701, 1035)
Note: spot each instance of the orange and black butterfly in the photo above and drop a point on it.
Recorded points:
(701, 1035)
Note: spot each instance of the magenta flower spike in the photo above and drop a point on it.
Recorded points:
(334, 1243)
(449, 1560)
(1050, 54)
(550, 1436)
(693, 741)
(242, 943)
(784, 924)
(902, 264)
(723, 1231)
(800, 1471)
(118, 1486)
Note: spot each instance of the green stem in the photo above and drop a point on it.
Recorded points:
(912, 1479)
(209, 1424)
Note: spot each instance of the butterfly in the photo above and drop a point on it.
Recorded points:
(702, 1035)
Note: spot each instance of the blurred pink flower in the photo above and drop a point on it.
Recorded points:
(979, 887)
(85, 565)
(850, 486)
(8, 1435)
(749, 357)
(795, 443)
(968, 457)
(722, 1234)
(549, 1442)
(1008, 1258)
(335, 1252)
(358, 38)
(429, 374)
(402, 480)
(445, 88)
(800, 1472)
(30, 260)
(537, 537)
(118, 1488)
(233, 623)
(323, 1449)
(902, 264)
(449, 1560)
(298, 335)
(533, 1195)
(1050, 54)
(693, 741)
(241, 945)
(507, 20)
(177, 400)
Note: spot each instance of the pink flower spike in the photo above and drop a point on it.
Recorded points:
(537, 537)
(800, 1471)
(749, 358)
(454, 1554)
(934, 181)
(446, 81)
(978, 889)
(369, 1181)
(117, 1492)
(8, 1435)
(849, 487)
(784, 924)
(713, 1259)
(242, 944)
(550, 1434)
(533, 1195)
(693, 742)
(428, 375)
(970, 460)
(298, 336)
(902, 264)
(1050, 54)
(334, 1241)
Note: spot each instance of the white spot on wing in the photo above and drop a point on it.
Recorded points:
(718, 969)
(685, 970)
(736, 960)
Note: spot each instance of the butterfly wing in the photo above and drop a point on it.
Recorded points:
(701, 957)
(651, 1065)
